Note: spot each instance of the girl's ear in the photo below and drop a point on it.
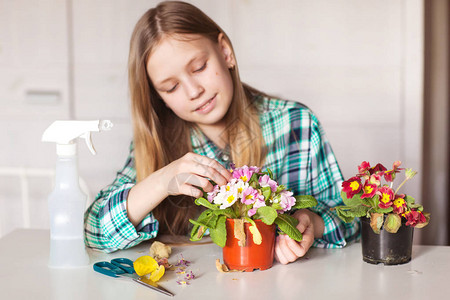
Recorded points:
(226, 51)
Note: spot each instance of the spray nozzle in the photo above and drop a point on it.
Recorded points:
(64, 134)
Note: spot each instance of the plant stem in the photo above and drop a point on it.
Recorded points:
(401, 184)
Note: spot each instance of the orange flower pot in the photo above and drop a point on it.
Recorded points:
(251, 256)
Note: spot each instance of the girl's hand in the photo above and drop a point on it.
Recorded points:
(190, 173)
(183, 176)
(310, 225)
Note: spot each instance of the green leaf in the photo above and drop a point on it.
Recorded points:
(417, 206)
(197, 233)
(207, 219)
(288, 225)
(277, 206)
(219, 234)
(280, 188)
(206, 203)
(374, 201)
(348, 213)
(392, 223)
(266, 192)
(270, 173)
(253, 180)
(228, 212)
(342, 214)
(304, 201)
(266, 214)
(409, 200)
(210, 224)
(355, 200)
(383, 210)
(194, 233)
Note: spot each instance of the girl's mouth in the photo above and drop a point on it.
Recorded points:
(208, 106)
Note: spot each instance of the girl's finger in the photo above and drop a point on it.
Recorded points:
(278, 254)
(198, 181)
(287, 253)
(209, 172)
(308, 238)
(187, 183)
(210, 168)
(295, 247)
(189, 190)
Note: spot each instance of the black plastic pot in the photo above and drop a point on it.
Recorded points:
(386, 248)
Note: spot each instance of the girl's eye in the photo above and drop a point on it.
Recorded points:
(172, 89)
(201, 68)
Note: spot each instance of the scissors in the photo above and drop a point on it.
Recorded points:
(123, 268)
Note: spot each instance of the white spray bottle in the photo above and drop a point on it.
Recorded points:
(67, 202)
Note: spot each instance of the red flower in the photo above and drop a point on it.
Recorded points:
(376, 169)
(399, 204)
(363, 168)
(414, 217)
(369, 190)
(390, 175)
(352, 186)
(386, 197)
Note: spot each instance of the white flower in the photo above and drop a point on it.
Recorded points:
(227, 197)
(241, 186)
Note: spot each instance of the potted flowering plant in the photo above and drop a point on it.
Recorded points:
(239, 214)
(371, 195)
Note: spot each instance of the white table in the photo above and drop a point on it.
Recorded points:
(323, 274)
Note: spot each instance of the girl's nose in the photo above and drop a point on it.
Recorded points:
(194, 89)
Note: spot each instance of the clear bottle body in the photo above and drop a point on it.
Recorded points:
(67, 204)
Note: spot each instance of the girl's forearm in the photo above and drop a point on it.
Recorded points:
(144, 197)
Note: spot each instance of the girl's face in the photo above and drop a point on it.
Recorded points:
(191, 76)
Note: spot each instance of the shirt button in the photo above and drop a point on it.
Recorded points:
(225, 157)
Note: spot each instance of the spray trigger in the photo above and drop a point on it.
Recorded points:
(88, 139)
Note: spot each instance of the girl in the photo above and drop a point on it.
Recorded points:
(192, 117)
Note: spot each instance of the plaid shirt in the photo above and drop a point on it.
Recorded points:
(299, 156)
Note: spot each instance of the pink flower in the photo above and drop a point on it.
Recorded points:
(258, 203)
(244, 173)
(189, 276)
(265, 180)
(386, 197)
(213, 193)
(375, 179)
(369, 190)
(250, 195)
(286, 200)
(182, 262)
(352, 186)
(363, 168)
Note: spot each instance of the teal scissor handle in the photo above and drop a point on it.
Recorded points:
(115, 268)
(124, 263)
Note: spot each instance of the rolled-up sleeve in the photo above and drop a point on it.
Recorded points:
(106, 222)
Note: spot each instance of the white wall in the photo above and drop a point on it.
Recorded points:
(356, 63)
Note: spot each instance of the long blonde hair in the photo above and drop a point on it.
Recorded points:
(161, 137)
